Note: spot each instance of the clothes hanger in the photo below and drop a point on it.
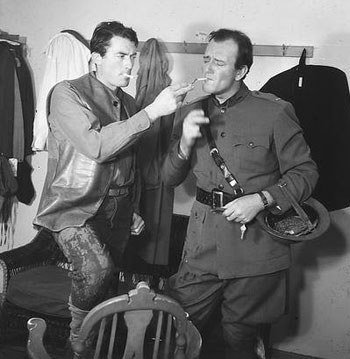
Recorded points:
(11, 39)
(78, 36)
(302, 60)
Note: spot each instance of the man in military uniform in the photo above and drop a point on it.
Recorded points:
(228, 260)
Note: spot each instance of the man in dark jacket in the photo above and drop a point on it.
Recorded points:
(228, 259)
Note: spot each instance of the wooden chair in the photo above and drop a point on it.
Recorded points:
(151, 326)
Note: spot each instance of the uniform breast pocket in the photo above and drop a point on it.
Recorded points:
(254, 153)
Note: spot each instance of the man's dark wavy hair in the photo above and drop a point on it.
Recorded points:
(245, 47)
(103, 33)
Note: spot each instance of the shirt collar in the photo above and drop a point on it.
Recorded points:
(116, 93)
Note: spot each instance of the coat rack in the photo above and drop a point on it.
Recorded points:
(16, 38)
(258, 50)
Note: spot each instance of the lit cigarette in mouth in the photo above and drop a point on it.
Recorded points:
(198, 79)
(130, 76)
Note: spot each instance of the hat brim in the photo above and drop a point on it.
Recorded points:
(316, 210)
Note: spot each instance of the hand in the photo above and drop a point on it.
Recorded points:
(243, 209)
(191, 130)
(168, 101)
(138, 224)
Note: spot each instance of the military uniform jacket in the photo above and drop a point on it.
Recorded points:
(259, 137)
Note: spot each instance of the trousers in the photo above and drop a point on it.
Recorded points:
(95, 252)
(245, 304)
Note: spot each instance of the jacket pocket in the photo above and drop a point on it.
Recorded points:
(254, 153)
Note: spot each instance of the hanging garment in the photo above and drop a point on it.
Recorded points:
(156, 202)
(67, 58)
(320, 96)
(16, 102)
(16, 111)
(8, 187)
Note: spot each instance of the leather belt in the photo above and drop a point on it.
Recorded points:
(215, 198)
(118, 192)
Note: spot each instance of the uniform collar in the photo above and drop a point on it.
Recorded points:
(239, 96)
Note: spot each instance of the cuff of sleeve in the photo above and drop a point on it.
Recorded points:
(142, 121)
(282, 204)
(178, 160)
(180, 154)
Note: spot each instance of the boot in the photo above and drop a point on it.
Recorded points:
(78, 315)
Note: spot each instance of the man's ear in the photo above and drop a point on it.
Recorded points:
(96, 58)
(240, 74)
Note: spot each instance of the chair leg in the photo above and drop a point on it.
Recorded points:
(264, 334)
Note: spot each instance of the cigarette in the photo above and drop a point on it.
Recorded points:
(198, 79)
(130, 76)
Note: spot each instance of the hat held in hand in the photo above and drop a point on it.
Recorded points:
(303, 222)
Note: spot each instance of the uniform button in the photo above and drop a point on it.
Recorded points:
(115, 103)
(251, 144)
(223, 134)
(223, 109)
(221, 186)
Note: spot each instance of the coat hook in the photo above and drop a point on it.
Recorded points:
(284, 49)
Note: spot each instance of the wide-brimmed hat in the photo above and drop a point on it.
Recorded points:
(303, 222)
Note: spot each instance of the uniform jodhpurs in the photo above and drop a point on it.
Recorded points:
(245, 304)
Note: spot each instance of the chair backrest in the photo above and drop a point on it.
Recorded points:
(138, 325)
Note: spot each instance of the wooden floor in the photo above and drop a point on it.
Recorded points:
(17, 352)
(278, 354)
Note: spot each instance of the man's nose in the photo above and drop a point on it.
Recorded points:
(128, 63)
(208, 67)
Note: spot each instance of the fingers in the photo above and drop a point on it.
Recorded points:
(138, 229)
(183, 90)
(197, 117)
(138, 225)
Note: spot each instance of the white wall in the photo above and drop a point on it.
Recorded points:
(319, 319)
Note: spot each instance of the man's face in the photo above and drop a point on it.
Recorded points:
(219, 68)
(117, 61)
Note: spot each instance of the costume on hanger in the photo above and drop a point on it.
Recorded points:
(320, 96)
(67, 58)
(16, 102)
(156, 202)
(16, 121)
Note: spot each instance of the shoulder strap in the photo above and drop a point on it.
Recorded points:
(302, 214)
(215, 154)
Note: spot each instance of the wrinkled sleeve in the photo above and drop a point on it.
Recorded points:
(72, 120)
(297, 168)
(174, 169)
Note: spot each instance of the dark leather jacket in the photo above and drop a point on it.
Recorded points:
(88, 149)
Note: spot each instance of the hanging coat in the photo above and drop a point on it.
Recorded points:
(156, 202)
(16, 102)
(16, 114)
(320, 96)
(67, 58)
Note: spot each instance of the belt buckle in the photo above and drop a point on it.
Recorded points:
(217, 199)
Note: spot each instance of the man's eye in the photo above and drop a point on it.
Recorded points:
(219, 63)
